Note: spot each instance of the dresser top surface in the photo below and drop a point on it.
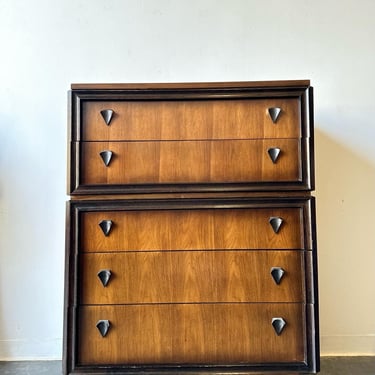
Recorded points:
(191, 85)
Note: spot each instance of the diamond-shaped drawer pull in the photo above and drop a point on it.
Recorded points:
(278, 325)
(274, 154)
(107, 115)
(274, 113)
(276, 223)
(106, 156)
(106, 226)
(103, 327)
(104, 276)
(277, 274)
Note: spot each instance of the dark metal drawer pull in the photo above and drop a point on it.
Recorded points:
(103, 327)
(106, 226)
(274, 154)
(276, 223)
(274, 113)
(278, 325)
(104, 276)
(106, 156)
(277, 274)
(107, 115)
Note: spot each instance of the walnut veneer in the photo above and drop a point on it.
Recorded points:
(191, 244)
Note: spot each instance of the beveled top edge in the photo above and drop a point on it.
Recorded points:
(189, 85)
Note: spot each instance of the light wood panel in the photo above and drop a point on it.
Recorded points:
(190, 162)
(192, 276)
(192, 230)
(191, 120)
(194, 334)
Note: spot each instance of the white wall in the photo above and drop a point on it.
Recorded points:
(48, 44)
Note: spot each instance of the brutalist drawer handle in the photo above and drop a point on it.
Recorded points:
(103, 327)
(277, 274)
(274, 154)
(106, 156)
(278, 325)
(276, 223)
(107, 115)
(104, 276)
(106, 226)
(274, 113)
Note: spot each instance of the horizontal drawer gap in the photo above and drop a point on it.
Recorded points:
(182, 140)
(184, 250)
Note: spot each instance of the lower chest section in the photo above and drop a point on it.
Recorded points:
(224, 286)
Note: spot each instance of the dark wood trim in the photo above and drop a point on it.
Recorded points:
(169, 95)
(199, 203)
(315, 327)
(311, 125)
(185, 85)
(313, 356)
(185, 94)
(70, 281)
(186, 188)
(74, 167)
(67, 343)
(199, 195)
(260, 368)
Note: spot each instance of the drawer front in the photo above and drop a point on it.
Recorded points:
(207, 229)
(204, 162)
(192, 276)
(191, 120)
(190, 333)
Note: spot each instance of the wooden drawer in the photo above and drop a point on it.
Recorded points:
(204, 162)
(192, 276)
(191, 120)
(194, 229)
(197, 334)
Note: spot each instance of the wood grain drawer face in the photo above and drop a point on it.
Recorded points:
(191, 120)
(190, 162)
(192, 333)
(192, 276)
(206, 229)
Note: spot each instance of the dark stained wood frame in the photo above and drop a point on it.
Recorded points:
(311, 334)
(191, 91)
(189, 85)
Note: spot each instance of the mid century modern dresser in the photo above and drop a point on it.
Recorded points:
(191, 244)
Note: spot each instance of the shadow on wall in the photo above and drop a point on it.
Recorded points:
(345, 187)
(4, 352)
(3, 347)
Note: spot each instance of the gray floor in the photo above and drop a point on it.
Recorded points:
(329, 366)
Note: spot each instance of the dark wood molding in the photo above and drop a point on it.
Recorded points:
(189, 85)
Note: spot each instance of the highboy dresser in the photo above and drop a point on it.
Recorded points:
(191, 244)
